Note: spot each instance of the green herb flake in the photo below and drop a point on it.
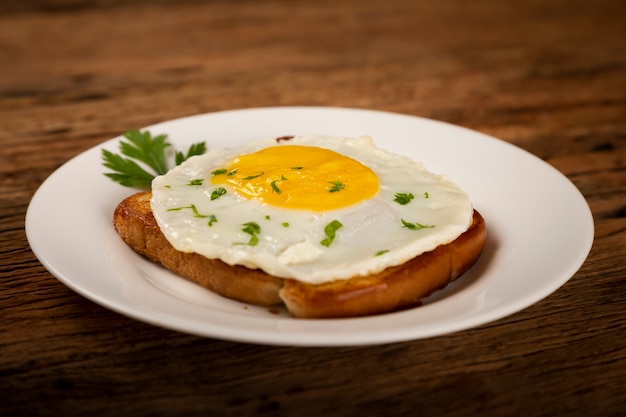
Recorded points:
(415, 226)
(426, 194)
(337, 186)
(285, 224)
(275, 186)
(220, 171)
(253, 229)
(212, 220)
(329, 231)
(217, 193)
(403, 198)
(196, 182)
(296, 168)
(267, 217)
(251, 177)
(381, 252)
(193, 209)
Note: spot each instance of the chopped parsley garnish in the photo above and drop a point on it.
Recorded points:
(296, 168)
(415, 226)
(403, 198)
(151, 151)
(222, 171)
(337, 186)
(426, 194)
(329, 231)
(193, 209)
(196, 182)
(275, 186)
(212, 219)
(253, 229)
(381, 252)
(285, 224)
(217, 193)
(251, 177)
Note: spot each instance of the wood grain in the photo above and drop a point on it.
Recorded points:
(547, 76)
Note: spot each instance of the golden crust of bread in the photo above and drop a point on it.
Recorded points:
(135, 223)
(393, 289)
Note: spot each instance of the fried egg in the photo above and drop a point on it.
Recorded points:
(311, 208)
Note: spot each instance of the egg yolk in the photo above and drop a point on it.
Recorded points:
(299, 177)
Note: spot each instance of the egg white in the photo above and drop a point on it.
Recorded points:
(373, 236)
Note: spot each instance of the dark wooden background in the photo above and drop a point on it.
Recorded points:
(548, 76)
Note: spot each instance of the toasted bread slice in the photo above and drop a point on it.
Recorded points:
(393, 289)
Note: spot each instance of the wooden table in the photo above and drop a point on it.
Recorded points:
(547, 76)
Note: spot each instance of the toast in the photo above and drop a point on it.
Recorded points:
(393, 289)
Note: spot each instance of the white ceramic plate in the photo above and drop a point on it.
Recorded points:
(540, 232)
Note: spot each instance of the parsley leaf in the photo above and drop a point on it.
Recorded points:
(414, 226)
(151, 151)
(218, 172)
(275, 186)
(251, 177)
(217, 193)
(127, 172)
(337, 186)
(193, 209)
(403, 198)
(329, 231)
(194, 149)
(253, 229)
(211, 217)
